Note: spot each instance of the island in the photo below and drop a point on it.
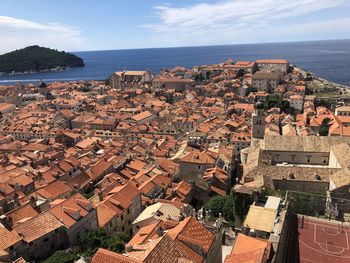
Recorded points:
(34, 59)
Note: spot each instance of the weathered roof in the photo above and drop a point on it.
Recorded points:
(159, 211)
(260, 218)
(302, 143)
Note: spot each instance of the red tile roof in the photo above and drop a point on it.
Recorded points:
(192, 231)
(105, 256)
(249, 250)
(38, 226)
(54, 190)
(22, 213)
(66, 210)
(198, 158)
(8, 238)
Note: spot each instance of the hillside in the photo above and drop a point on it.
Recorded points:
(36, 59)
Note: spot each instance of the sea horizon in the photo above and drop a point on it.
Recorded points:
(216, 45)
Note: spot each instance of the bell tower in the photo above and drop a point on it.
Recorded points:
(258, 121)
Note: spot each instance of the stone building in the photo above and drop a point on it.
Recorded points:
(258, 121)
(119, 208)
(130, 79)
(296, 102)
(273, 65)
(194, 164)
(76, 214)
(266, 81)
(313, 164)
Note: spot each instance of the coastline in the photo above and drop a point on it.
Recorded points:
(56, 69)
(321, 84)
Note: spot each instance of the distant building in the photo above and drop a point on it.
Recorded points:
(342, 111)
(296, 102)
(273, 65)
(245, 66)
(258, 121)
(176, 83)
(130, 79)
(266, 81)
(7, 108)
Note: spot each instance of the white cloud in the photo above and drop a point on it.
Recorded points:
(18, 33)
(231, 21)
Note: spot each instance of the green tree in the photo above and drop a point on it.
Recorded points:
(242, 204)
(276, 102)
(35, 58)
(90, 241)
(323, 103)
(229, 208)
(61, 256)
(222, 204)
(216, 205)
(324, 127)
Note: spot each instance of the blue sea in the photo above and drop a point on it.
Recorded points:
(327, 59)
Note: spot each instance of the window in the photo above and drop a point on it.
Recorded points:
(31, 243)
(293, 158)
(46, 239)
(199, 167)
(122, 217)
(308, 159)
(129, 211)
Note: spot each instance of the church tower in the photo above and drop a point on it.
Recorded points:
(258, 121)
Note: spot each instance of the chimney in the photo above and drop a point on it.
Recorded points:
(206, 216)
(128, 248)
(99, 194)
(32, 201)
(6, 221)
(220, 218)
(159, 232)
(3, 220)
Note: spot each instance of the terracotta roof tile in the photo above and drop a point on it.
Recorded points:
(249, 250)
(54, 190)
(8, 238)
(22, 213)
(66, 210)
(105, 256)
(38, 226)
(193, 232)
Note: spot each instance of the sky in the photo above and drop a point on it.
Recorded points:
(79, 25)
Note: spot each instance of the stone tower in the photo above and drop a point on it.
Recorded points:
(258, 121)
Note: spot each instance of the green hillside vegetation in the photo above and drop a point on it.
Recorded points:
(35, 59)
